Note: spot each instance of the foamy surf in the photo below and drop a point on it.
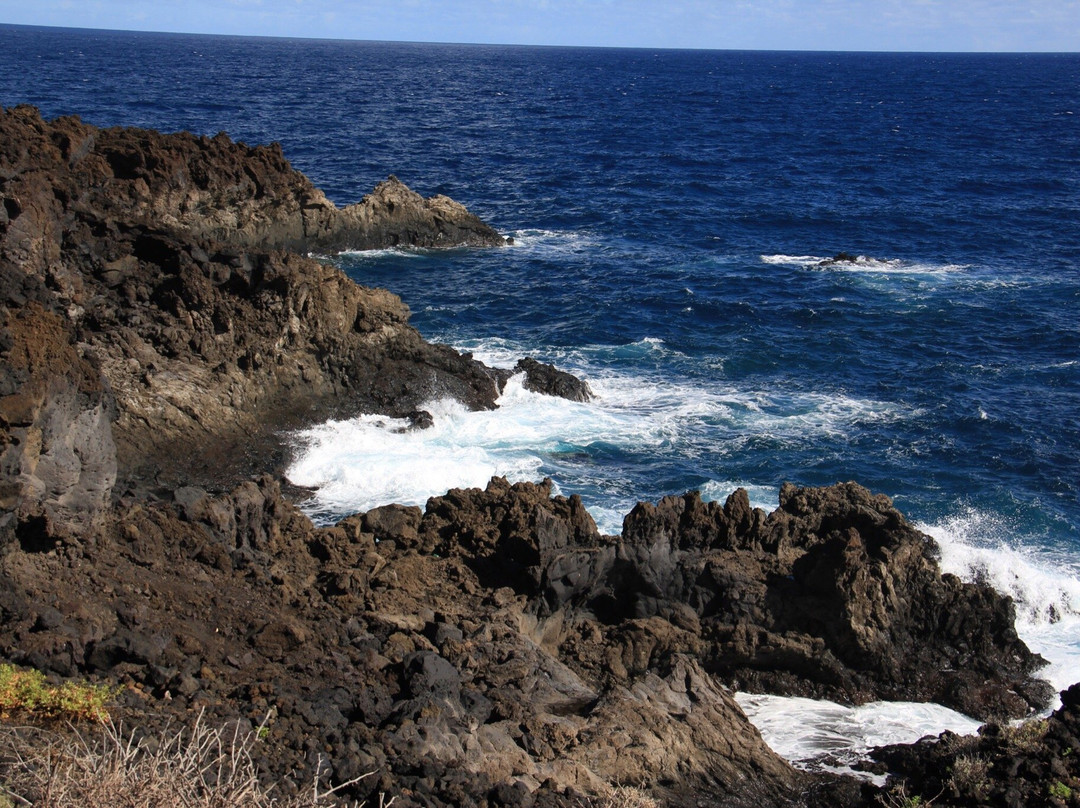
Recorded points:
(822, 735)
(976, 546)
(364, 462)
(1044, 584)
(544, 242)
(594, 449)
(863, 263)
(368, 461)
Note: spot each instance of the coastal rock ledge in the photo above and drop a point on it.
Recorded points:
(157, 331)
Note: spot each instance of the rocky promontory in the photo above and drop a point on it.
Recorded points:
(161, 324)
(161, 271)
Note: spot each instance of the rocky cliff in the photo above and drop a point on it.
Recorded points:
(158, 328)
(160, 267)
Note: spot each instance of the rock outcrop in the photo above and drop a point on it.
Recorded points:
(833, 595)
(209, 189)
(158, 329)
(1033, 765)
(419, 666)
(160, 261)
(495, 643)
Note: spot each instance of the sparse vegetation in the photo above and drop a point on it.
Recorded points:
(969, 776)
(26, 693)
(897, 797)
(1059, 791)
(1026, 736)
(629, 797)
(201, 767)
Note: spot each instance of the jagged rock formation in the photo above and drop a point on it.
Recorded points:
(388, 643)
(832, 595)
(493, 649)
(154, 258)
(209, 189)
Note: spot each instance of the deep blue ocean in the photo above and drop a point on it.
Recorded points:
(671, 210)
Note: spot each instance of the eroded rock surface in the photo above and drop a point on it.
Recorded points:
(833, 595)
(419, 666)
(162, 261)
(492, 649)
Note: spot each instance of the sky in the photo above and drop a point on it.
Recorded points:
(875, 25)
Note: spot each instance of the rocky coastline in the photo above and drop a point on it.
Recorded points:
(161, 325)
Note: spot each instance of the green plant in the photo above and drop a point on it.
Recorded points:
(897, 797)
(27, 692)
(1059, 791)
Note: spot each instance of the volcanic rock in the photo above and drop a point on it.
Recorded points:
(1012, 766)
(159, 259)
(833, 595)
(549, 380)
(491, 649)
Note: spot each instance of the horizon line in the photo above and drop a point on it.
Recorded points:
(535, 45)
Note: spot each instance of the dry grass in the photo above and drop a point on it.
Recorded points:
(197, 768)
(629, 797)
(969, 776)
(1027, 736)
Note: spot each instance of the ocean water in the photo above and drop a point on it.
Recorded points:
(671, 211)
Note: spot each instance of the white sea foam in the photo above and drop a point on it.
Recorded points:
(864, 264)
(976, 546)
(1045, 584)
(358, 464)
(819, 735)
(553, 241)
(493, 352)
(765, 497)
(368, 461)
(796, 260)
(372, 256)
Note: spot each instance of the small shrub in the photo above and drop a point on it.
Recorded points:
(969, 776)
(897, 797)
(27, 693)
(629, 797)
(1059, 791)
(1027, 736)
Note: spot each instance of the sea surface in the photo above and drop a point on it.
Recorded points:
(671, 212)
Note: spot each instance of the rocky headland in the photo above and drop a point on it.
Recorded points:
(161, 325)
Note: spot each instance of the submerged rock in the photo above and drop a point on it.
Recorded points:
(841, 258)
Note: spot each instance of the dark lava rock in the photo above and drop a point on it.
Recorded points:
(153, 264)
(492, 649)
(1033, 764)
(549, 380)
(840, 258)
